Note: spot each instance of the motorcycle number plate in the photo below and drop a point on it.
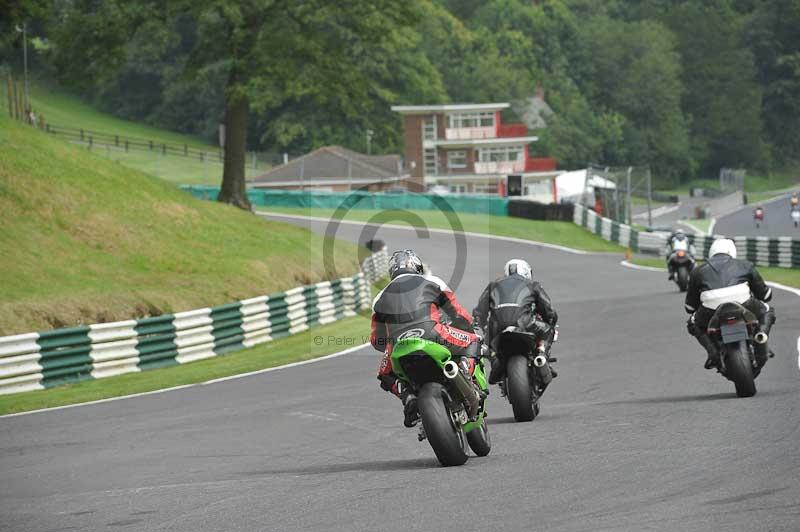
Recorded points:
(733, 333)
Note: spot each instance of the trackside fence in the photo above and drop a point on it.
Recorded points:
(40, 360)
(783, 252)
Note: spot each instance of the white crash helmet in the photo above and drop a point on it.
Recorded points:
(518, 266)
(723, 245)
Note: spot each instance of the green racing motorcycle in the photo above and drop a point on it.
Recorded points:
(450, 405)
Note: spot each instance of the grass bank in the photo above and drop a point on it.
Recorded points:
(87, 240)
(307, 345)
(787, 276)
(560, 233)
(753, 183)
(62, 109)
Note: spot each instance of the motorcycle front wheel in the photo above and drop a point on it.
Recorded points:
(479, 440)
(446, 438)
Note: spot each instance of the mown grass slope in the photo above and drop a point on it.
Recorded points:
(86, 240)
(60, 108)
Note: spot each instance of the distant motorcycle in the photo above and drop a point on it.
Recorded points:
(527, 370)
(796, 218)
(758, 217)
(743, 347)
(680, 264)
(450, 404)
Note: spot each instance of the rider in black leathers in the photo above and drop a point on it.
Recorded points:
(723, 270)
(515, 299)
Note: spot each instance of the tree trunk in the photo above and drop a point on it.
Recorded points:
(233, 189)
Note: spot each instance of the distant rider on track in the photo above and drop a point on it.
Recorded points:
(678, 241)
(515, 300)
(709, 284)
(412, 305)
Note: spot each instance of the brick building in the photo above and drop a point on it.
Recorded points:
(468, 149)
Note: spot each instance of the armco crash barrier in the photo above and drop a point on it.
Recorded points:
(783, 252)
(42, 360)
(475, 204)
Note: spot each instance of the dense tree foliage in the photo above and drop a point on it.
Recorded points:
(685, 86)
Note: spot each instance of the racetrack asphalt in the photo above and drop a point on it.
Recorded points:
(633, 435)
(777, 220)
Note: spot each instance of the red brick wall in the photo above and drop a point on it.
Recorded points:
(412, 136)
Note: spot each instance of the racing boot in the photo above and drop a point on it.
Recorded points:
(410, 411)
(713, 353)
(498, 372)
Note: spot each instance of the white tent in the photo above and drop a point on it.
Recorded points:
(571, 186)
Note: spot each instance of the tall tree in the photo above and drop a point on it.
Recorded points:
(307, 49)
(722, 97)
(774, 37)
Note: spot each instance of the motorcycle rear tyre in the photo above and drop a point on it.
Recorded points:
(446, 438)
(740, 369)
(683, 278)
(519, 390)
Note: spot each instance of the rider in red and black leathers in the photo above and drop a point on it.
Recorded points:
(413, 305)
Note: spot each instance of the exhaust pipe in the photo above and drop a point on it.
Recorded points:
(465, 388)
(760, 348)
(542, 369)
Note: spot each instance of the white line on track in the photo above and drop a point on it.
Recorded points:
(213, 381)
(660, 211)
(798, 351)
(441, 231)
(633, 266)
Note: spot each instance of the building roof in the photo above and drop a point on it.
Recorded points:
(448, 107)
(333, 163)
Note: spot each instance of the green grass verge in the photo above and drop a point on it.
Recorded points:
(753, 183)
(174, 168)
(700, 224)
(561, 233)
(62, 109)
(87, 240)
(334, 337)
(787, 276)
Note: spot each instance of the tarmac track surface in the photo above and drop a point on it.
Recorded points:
(777, 221)
(633, 435)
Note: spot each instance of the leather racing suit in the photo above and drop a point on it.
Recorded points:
(414, 305)
(719, 272)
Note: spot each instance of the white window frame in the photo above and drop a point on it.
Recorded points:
(458, 188)
(470, 120)
(451, 155)
(496, 154)
(485, 188)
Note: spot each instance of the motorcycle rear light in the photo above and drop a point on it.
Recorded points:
(681, 253)
(732, 320)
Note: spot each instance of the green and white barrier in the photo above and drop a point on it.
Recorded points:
(783, 252)
(35, 361)
(622, 234)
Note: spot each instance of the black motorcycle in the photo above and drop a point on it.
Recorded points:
(742, 346)
(681, 264)
(526, 368)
